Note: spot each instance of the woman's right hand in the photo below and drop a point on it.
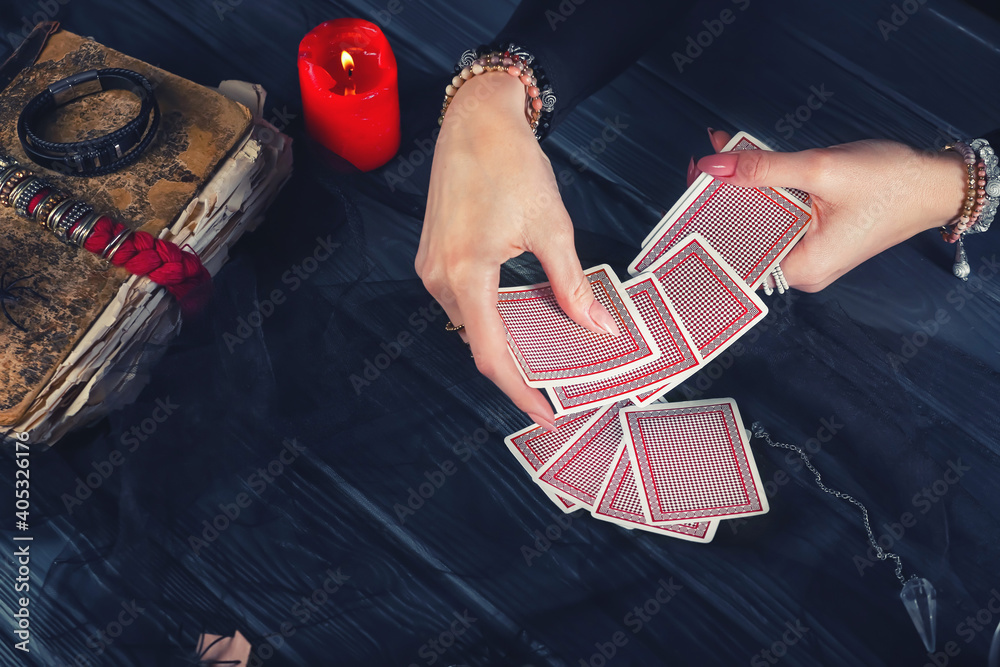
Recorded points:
(493, 196)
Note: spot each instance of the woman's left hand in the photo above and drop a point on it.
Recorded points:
(867, 196)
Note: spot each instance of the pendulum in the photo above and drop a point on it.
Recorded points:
(920, 599)
(918, 594)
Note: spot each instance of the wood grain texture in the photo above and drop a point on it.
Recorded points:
(198, 129)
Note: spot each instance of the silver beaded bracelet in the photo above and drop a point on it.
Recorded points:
(991, 190)
(515, 61)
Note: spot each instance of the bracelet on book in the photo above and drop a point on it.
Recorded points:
(102, 155)
(981, 200)
(516, 62)
(75, 222)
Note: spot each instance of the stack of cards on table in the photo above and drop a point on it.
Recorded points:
(692, 295)
(670, 468)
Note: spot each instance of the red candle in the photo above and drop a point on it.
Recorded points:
(347, 72)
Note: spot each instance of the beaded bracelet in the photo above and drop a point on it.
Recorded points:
(515, 61)
(975, 193)
(991, 190)
(981, 201)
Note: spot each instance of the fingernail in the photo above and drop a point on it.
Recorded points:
(545, 422)
(603, 318)
(711, 139)
(692, 172)
(721, 164)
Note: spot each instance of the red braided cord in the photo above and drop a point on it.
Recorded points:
(181, 272)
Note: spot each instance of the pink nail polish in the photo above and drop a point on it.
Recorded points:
(710, 137)
(692, 172)
(547, 424)
(603, 319)
(721, 164)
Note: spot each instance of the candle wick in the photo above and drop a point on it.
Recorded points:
(350, 72)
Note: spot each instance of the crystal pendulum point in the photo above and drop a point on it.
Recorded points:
(920, 599)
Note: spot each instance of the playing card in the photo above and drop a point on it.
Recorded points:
(581, 464)
(679, 357)
(618, 502)
(551, 349)
(741, 141)
(563, 503)
(692, 461)
(752, 228)
(713, 303)
(534, 446)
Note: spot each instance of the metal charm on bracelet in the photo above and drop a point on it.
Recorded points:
(34, 186)
(116, 244)
(69, 218)
(57, 212)
(18, 190)
(84, 229)
(7, 173)
(10, 182)
(45, 207)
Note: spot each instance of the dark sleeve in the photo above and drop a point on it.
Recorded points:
(581, 46)
(994, 139)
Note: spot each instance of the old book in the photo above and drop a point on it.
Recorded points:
(208, 176)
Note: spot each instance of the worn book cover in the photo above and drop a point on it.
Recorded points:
(199, 127)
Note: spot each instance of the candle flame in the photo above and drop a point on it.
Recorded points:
(347, 62)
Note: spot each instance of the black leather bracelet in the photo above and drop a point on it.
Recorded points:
(93, 157)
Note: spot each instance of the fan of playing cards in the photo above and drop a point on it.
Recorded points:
(618, 450)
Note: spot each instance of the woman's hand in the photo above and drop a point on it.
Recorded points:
(493, 196)
(866, 196)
